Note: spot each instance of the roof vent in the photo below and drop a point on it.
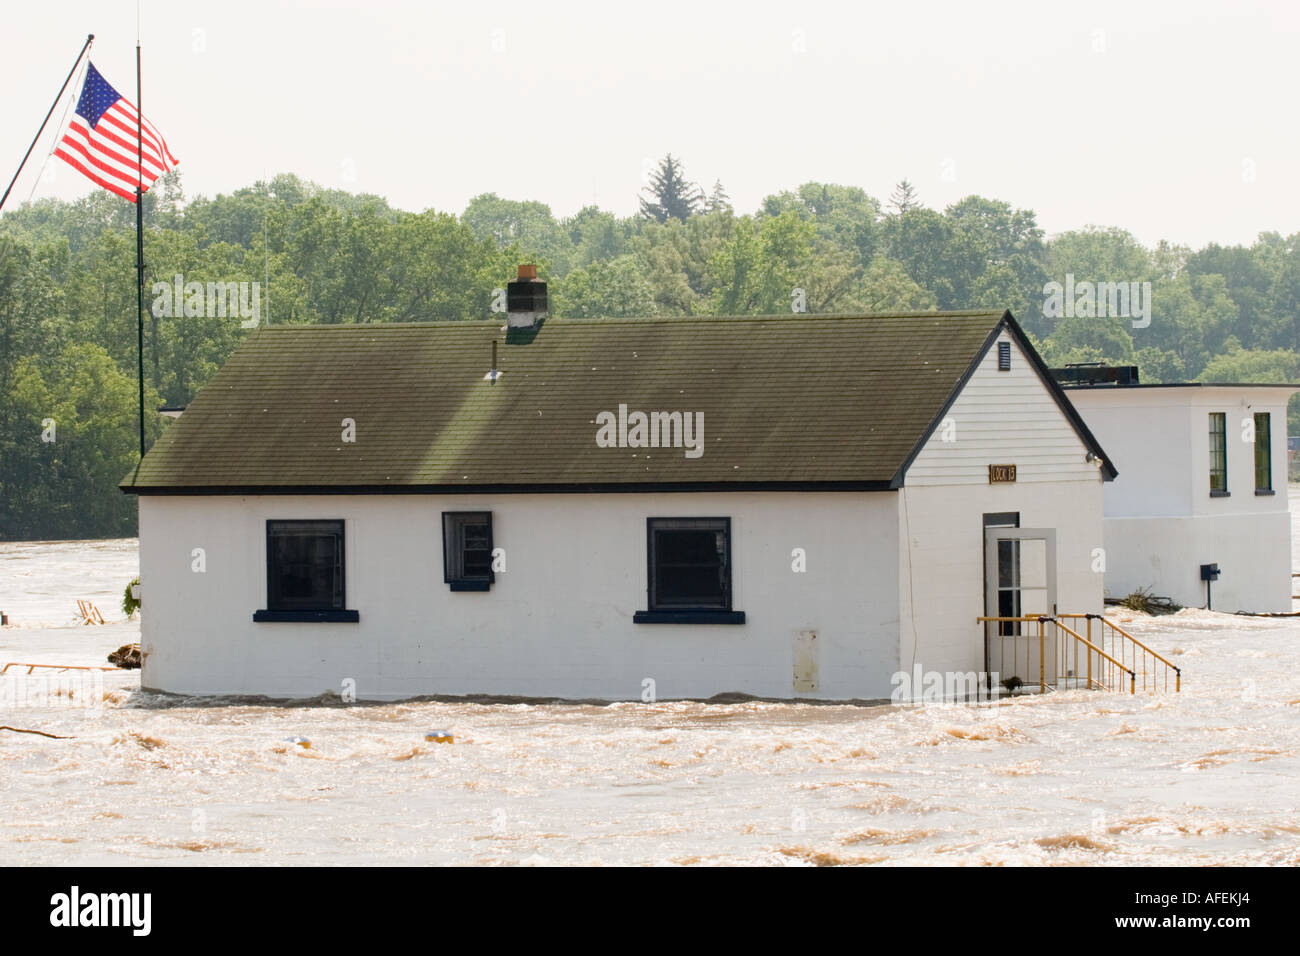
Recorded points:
(525, 299)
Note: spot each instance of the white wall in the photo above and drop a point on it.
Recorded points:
(1159, 439)
(557, 622)
(1162, 523)
(1150, 441)
(942, 576)
(1165, 554)
(1001, 418)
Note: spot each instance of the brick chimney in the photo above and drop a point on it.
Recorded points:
(525, 299)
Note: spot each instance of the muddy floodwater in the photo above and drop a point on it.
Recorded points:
(1208, 776)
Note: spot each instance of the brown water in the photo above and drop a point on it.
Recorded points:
(1078, 777)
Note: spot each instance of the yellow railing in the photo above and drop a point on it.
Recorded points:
(1151, 669)
(1018, 647)
(57, 667)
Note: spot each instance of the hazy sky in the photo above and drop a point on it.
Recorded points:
(1174, 120)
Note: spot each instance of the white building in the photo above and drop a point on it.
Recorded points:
(470, 509)
(1204, 482)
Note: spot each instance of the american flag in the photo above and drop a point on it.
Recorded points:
(101, 140)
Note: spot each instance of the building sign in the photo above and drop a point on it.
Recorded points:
(1001, 473)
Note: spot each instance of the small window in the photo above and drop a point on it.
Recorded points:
(1004, 356)
(467, 550)
(1218, 454)
(304, 572)
(1263, 454)
(689, 563)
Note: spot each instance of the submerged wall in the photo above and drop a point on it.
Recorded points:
(556, 623)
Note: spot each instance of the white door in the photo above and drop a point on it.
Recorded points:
(1020, 581)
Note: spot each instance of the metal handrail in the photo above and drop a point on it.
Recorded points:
(1042, 677)
(58, 667)
(1137, 645)
(1132, 676)
(1042, 620)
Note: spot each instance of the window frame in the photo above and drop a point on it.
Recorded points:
(1219, 455)
(277, 609)
(659, 613)
(453, 570)
(1266, 445)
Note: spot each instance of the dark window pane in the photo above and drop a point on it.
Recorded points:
(467, 546)
(305, 565)
(1218, 451)
(1008, 606)
(689, 564)
(1008, 563)
(1263, 452)
(477, 551)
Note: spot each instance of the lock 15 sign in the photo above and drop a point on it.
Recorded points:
(1001, 473)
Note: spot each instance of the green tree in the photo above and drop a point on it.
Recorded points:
(758, 270)
(718, 200)
(904, 198)
(670, 195)
(613, 289)
(528, 225)
(843, 215)
(73, 441)
(885, 286)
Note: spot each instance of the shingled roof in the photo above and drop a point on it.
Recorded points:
(788, 401)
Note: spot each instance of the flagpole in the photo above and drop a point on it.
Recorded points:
(139, 239)
(89, 39)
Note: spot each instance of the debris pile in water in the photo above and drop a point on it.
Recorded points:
(126, 656)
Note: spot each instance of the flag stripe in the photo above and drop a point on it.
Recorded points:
(126, 148)
(128, 111)
(77, 155)
(98, 154)
(110, 185)
(125, 121)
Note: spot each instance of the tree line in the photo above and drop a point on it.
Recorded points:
(68, 297)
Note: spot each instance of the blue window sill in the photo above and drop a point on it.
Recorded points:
(1265, 491)
(301, 617)
(470, 585)
(688, 617)
(1220, 494)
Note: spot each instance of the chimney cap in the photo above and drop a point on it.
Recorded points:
(527, 273)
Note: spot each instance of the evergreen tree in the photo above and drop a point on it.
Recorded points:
(904, 197)
(718, 199)
(671, 195)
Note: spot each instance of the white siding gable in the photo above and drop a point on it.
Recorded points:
(1002, 418)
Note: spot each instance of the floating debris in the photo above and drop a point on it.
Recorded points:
(302, 742)
(127, 656)
(87, 613)
(440, 737)
(1143, 600)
